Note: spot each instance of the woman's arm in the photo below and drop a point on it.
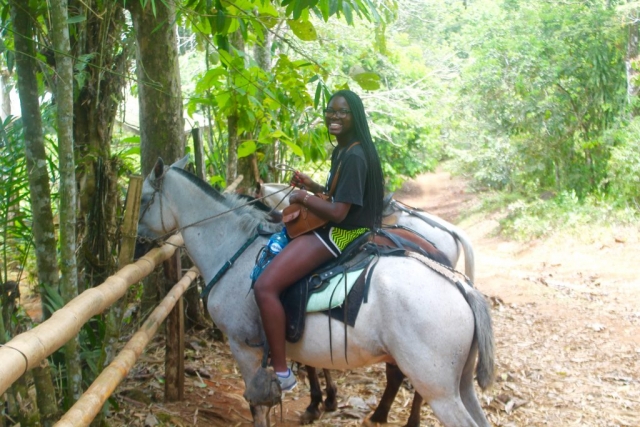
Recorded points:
(333, 211)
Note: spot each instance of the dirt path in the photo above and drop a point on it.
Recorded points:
(567, 325)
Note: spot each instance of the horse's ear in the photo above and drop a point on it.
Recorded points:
(158, 169)
(180, 164)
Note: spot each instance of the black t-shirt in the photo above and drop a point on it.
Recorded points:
(351, 186)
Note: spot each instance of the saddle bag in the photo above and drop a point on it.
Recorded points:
(299, 220)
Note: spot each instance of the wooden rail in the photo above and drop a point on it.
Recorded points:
(28, 349)
(89, 405)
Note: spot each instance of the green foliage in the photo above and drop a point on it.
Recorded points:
(623, 178)
(549, 80)
(536, 218)
(15, 210)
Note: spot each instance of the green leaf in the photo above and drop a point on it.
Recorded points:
(304, 30)
(209, 79)
(76, 19)
(316, 98)
(247, 148)
(323, 5)
(295, 148)
(131, 140)
(368, 81)
(278, 134)
(216, 179)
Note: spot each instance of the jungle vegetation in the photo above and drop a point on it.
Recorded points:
(535, 103)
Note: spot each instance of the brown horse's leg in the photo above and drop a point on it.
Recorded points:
(394, 380)
(330, 403)
(312, 412)
(414, 418)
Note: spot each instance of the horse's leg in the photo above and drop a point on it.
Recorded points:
(260, 415)
(394, 381)
(414, 418)
(312, 412)
(438, 382)
(330, 403)
(248, 360)
(435, 370)
(468, 392)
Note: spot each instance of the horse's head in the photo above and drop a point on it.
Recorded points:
(155, 219)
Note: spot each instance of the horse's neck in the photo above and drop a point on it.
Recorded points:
(209, 232)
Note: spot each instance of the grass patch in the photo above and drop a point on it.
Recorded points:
(524, 218)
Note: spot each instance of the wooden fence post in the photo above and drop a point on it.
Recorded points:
(174, 351)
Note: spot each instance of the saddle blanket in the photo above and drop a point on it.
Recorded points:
(334, 293)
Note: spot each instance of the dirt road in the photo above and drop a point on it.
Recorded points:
(566, 316)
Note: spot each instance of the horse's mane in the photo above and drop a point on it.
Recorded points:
(251, 217)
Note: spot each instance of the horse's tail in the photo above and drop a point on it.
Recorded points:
(483, 334)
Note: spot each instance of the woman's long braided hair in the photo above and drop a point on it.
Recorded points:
(375, 179)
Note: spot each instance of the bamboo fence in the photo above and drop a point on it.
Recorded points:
(28, 349)
(89, 405)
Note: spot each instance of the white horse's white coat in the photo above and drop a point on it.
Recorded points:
(414, 316)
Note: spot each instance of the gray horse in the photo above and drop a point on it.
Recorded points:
(448, 238)
(434, 330)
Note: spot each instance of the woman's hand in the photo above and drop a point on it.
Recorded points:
(301, 180)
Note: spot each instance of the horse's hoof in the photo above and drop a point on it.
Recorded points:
(330, 406)
(309, 416)
(377, 420)
(368, 423)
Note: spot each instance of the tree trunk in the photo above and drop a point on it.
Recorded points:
(40, 193)
(64, 103)
(46, 395)
(160, 97)
(237, 42)
(101, 81)
(160, 100)
(248, 166)
(24, 410)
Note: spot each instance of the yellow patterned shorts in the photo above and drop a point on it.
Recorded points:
(336, 239)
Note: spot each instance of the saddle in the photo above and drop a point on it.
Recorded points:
(344, 301)
(345, 280)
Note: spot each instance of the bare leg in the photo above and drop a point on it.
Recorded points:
(297, 259)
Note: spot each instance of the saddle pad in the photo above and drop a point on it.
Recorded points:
(334, 293)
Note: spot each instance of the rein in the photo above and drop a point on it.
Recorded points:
(157, 188)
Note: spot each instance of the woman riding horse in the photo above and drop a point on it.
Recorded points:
(356, 208)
